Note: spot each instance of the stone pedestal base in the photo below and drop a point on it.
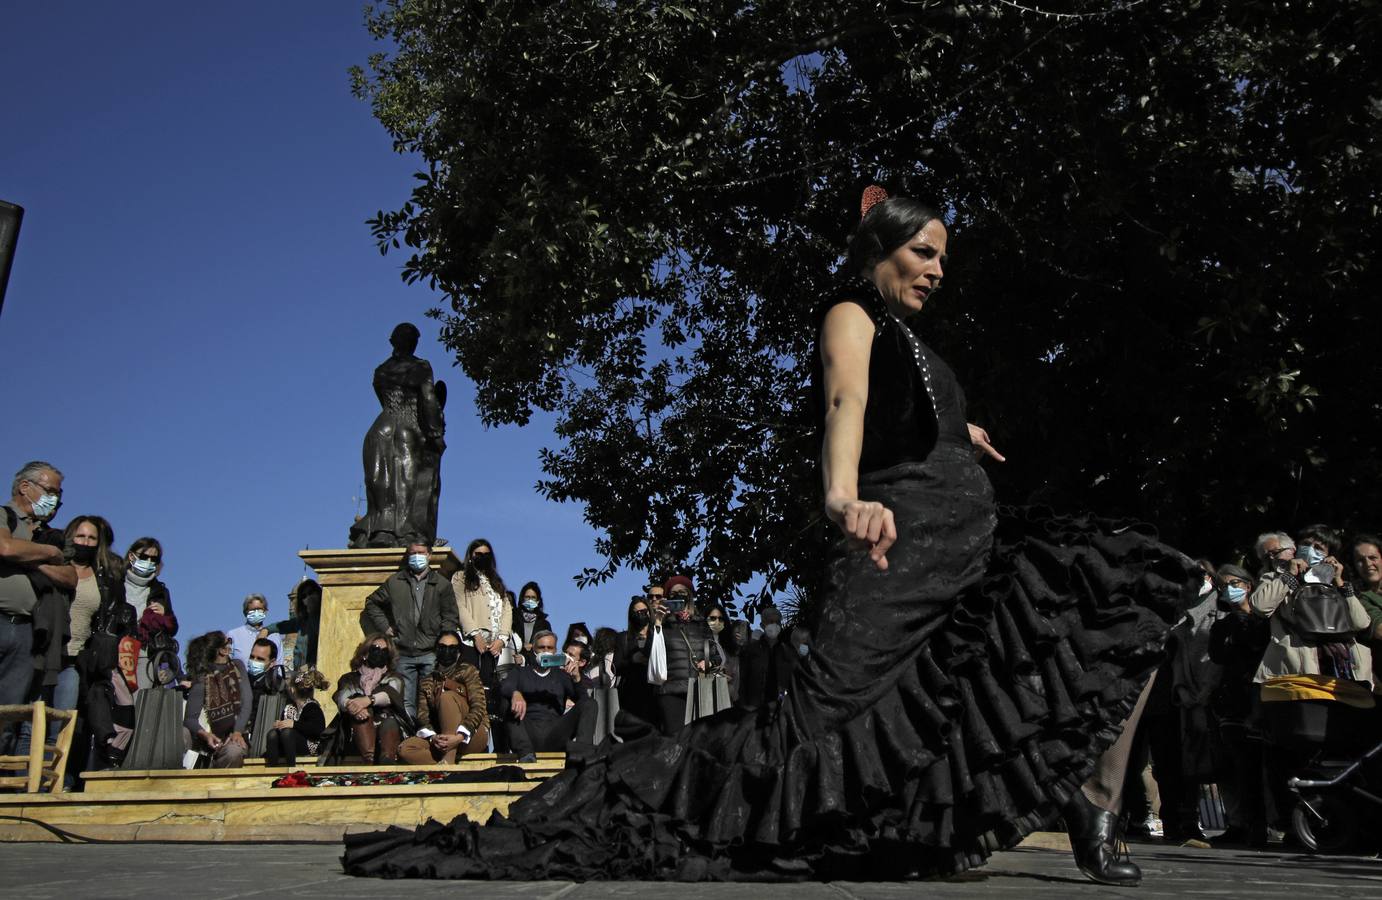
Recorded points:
(347, 578)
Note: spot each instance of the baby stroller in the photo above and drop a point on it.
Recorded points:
(1338, 803)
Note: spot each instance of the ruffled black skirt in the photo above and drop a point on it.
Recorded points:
(950, 706)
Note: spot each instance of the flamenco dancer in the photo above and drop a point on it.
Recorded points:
(977, 674)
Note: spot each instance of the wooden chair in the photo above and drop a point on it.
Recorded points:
(46, 762)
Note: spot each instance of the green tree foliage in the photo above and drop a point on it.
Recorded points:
(1161, 300)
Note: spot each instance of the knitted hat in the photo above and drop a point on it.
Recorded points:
(676, 580)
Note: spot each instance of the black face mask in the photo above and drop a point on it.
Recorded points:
(447, 654)
(377, 658)
(641, 617)
(483, 562)
(83, 556)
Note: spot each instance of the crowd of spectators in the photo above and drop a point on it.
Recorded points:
(1268, 668)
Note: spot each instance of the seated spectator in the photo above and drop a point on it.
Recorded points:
(530, 619)
(110, 713)
(451, 715)
(304, 624)
(158, 626)
(1237, 640)
(680, 646)
(1367, 570)
(242, 637)
(219, 703)
(370, 699)
(299, 732)
(579, 655)
(268, 683)
(539, 697)
(636, 693)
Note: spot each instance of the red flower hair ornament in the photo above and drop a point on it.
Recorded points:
(873, 195)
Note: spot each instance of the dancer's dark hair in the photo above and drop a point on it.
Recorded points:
(886, 225)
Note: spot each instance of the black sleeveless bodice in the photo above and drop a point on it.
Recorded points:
(915, 403)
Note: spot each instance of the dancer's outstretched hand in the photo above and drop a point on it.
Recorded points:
(867, 521)
(980, 439)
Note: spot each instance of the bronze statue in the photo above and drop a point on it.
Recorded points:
(403, 450)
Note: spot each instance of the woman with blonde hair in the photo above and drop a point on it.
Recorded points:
(298, 733)
(370, 698)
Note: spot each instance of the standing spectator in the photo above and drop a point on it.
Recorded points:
(636, 693)
(1367, 570)
(678, 654)
(370, 700)
(99, 587)
(1316, 688)
(304, 623)
(539, 697)
(578, 633)
(413, 607)
(486, 622)
(299, 732)
(218, 705)
(451, 715)
(766, 664)
(153, 605)
(532, 618)
(255, 610)
(36, 493)
(740, 635)
(1273, 549)
(1237, 640)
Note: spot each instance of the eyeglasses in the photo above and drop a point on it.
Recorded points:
(1273, 554)
(56, 492)
(682, 594)
(147, 558)
(714, 618)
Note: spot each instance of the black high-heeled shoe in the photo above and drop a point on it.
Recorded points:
(1095, 841)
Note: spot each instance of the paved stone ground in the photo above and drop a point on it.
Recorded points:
(206, 871)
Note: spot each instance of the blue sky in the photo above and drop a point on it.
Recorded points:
(197, 307)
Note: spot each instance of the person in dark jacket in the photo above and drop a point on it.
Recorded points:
(412, 608)
(304, 623)
(637, 695)
(153, 607)
(529, 617)
(539, 695)
(1237, 640)
(299, 732)
(685, 641)
(766, 664)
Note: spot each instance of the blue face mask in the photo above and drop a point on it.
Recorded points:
(45, 506)
(1313, 556)
(143, 567)
(417, 562)
(255, 617)
(1235, 594)
(803, 649)
(255, 667)
(531, 605)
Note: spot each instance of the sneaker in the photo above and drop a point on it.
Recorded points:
(528, 758)
(1153, 825)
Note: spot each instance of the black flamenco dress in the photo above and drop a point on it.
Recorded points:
(950, 705)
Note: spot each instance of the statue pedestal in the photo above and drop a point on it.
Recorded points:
(347, 578)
